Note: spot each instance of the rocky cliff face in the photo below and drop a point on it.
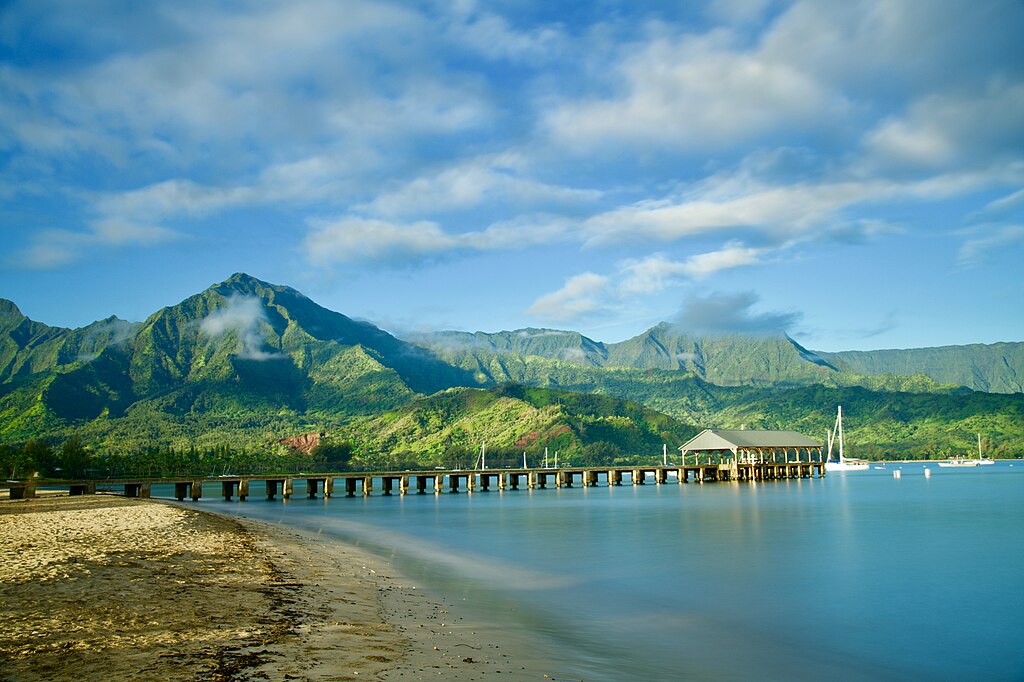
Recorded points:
(304, 442)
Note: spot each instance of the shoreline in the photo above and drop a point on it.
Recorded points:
(110, 587)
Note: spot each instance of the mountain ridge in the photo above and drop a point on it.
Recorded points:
(770, 360)
(28, 346)
(250, 362)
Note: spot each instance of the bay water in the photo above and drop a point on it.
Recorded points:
(858, 575)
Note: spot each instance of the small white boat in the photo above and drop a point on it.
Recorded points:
(959, 462)
(844, 463)
(965, 462)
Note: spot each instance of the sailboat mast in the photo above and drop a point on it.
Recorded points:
(839, 429)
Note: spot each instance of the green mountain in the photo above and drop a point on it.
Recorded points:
(248, 363)
(253, 333)
(243, 356)
(552, 358)
(736, 360)
(994, 368)
(546, 343)
(895, 417)
(28, 347)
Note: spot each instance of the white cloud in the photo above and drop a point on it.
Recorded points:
(633, 279)
(354, 240)
(518, 234)
(649, 275)
(171, 197)
(582, 295)
(733, 255)
(320, 177)
(784, 211)
(953, 130)
(242, 315)
(876, 49)
(973, 252)
(49, 249)
(815, 73)
(214, 82)
(781, 213)
(118, 232)
(541, 333)
(1003, 205)
(422, 132)
(699, 92)
(471, 183)
(491, 35)
(902, 141)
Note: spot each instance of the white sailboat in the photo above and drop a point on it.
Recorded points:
(983, 460)
(959, 462)
(844, 463)
(967, 462)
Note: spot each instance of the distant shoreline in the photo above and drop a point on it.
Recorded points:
(933, 461)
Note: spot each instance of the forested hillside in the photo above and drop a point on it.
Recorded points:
(244, 365)
(740, 360)
(993, 368)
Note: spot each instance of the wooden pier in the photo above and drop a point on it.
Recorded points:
(437, 481)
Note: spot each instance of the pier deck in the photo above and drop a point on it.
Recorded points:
(435, 481)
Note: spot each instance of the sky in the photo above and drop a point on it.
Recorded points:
(849, 173)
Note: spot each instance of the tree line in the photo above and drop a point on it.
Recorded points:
(73, 459)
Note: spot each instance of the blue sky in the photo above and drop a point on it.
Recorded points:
(851, 173)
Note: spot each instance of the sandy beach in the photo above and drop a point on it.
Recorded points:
(103, 587)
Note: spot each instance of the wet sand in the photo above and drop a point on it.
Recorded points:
(103, 587)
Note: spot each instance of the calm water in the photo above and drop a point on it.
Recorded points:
(855, 576)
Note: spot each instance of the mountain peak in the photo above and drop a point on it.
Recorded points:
(244, 278)
(9, 309)
(244, 283)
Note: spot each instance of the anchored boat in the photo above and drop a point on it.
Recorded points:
(844, 463)
(965, 462)
(983, 460)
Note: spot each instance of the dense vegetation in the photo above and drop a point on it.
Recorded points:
(450, 428)
(74, 460)
(217, 382)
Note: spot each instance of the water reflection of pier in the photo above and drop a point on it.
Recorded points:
(441, 481)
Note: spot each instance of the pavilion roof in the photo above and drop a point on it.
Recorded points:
(734, 439)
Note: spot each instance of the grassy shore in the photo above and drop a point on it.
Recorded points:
(102, 587)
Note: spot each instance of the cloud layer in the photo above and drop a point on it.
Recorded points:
(637, 151)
